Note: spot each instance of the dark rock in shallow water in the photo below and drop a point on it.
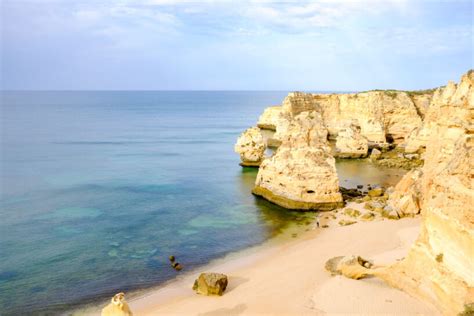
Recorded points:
(210, 284)
(172, 258)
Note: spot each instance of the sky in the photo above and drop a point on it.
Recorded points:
(234, 45)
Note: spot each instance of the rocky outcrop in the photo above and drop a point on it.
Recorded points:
(439, 266)
(380, 115)
(353, 267)
(350, 143)
(419, 137)
(269, 118)
(117, 307)
(406, 198)
(302, 173)
(210, 284)
(251, 147)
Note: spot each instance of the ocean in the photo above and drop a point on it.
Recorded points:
(99, 188)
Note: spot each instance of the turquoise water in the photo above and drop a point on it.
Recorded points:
(99, 188)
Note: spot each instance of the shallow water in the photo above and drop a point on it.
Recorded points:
(99, 188)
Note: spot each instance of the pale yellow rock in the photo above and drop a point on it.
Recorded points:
(407, 196)
(117, 307)
(440, 265)
(350, 143)
(251, 147)
(297, 102)
(269, 118)
(302, 172)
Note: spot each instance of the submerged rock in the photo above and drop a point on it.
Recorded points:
(117, 307)
(251, 147)
(210, 284)
(302, 173)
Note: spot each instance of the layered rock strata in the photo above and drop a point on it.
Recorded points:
(439, 266)
(302, 173)
(251, 147)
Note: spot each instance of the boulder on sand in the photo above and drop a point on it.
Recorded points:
(210, 284)
(117, 307)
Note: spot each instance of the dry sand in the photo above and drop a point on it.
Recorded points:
(290, 279)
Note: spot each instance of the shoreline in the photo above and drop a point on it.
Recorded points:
(288, 277)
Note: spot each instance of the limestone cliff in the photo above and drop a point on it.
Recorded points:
(302, 173)
(440, 265)
(269, 118)
(378, 114)
(350, 143)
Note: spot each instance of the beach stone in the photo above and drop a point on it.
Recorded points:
(353, 267)
(345, 222)
(351, 212)
(368, 216)
(376, 192)
(117, 307)
(172, 258)
(375, 155)
(366, 198)
(210, 284)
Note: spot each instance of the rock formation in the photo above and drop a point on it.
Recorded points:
(302, 173)
(350, 143)
(117, 307)
(406, 198)
(269, 118)
(439, 266)
(251, 147)
(210, 284)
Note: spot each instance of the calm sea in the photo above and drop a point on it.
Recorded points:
(99, 188)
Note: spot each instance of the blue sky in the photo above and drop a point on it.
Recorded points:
(234, 45)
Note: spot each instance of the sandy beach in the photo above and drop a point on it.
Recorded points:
(290, 279)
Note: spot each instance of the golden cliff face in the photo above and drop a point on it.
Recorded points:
(302, 172)
(440, 265)
(378, 114)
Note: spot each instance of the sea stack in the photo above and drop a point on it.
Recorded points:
(302, 173)
(251, 147)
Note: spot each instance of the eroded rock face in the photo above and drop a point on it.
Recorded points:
(406, 198)
(302, 173)
(117, 307)
(251, 147)
(440, 265)
(210, 284)
(269, 118)
(350, 143)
